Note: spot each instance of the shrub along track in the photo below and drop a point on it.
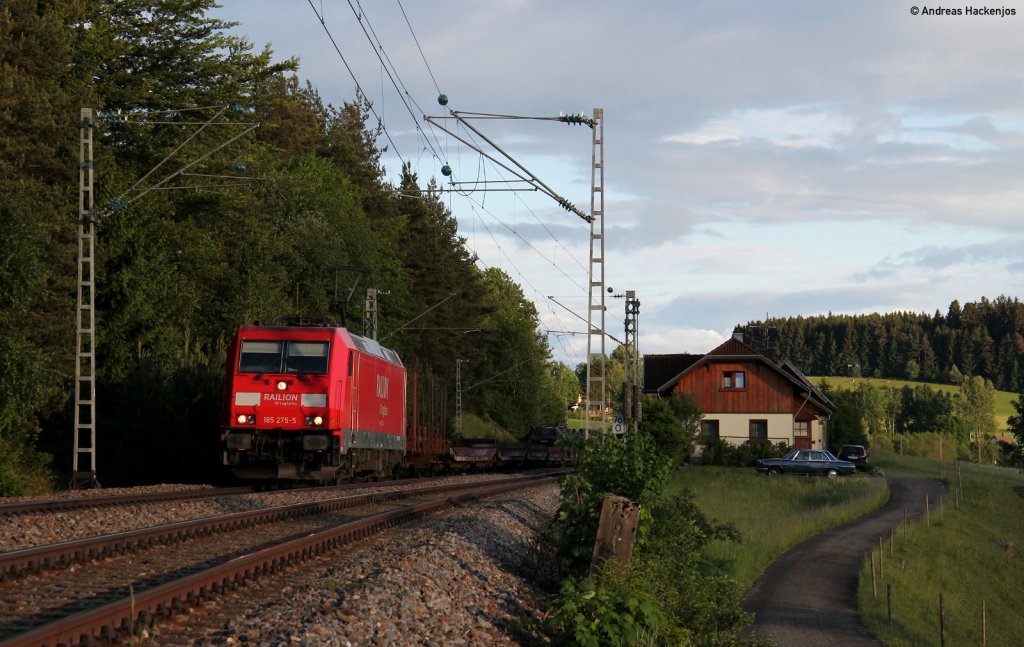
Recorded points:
(99, 599)
(808, 597)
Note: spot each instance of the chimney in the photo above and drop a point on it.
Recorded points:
(738, 335)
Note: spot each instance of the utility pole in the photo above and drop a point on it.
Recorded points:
(458, 397)
(83, 466)
(632, 402)
(595, 397)
(370, 314)
(526, 180)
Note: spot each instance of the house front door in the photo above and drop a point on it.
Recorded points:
(802, 435)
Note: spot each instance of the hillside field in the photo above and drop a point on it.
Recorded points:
(1004, 399)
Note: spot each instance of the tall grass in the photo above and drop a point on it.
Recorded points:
(774, 514)
(964, 554)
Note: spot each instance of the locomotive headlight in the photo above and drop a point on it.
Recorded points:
(282, 385)
(318, 420)
(241, 419)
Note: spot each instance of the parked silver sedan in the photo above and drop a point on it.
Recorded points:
(808, 462)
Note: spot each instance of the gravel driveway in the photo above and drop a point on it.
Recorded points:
(808, 597)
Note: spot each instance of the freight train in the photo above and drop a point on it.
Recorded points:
(320, 403)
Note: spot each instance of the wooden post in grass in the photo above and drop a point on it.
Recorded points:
(942, 621)
(959, 479)
(984, 625)
(927, 513)
(874, 587)
(904, 520)
(892, 541)
(881, 559)
(888, 600)
(616, 532)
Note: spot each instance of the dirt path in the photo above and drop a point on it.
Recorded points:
(808, 597)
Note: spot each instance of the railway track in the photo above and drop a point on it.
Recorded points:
(100, 587)
(72, 504)
(67, 505)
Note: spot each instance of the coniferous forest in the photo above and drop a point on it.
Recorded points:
(983, 338)
(281, 220)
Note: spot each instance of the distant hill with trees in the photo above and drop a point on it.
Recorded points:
(983, 338)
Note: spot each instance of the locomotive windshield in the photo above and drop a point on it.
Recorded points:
(283, 357)
(307, 357)
(260, 357)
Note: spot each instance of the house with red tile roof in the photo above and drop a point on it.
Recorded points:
(744, 395)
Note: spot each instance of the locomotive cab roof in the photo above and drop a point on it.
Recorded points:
(364, 344)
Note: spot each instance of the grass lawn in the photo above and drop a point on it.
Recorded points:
(773, 514)
(965, 555)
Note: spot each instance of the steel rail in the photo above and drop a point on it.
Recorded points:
(54, 505)
(112, 619)
(17, 563)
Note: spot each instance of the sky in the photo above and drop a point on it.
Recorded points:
(761, 158)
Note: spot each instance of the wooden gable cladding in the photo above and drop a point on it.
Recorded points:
(764, 389)
(767, 387)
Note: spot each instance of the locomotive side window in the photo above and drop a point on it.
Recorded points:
(307, 357)
(260, 357)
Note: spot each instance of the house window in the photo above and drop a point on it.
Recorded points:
(733, 380)
(709, 429)
(802, 429)
(758, 430)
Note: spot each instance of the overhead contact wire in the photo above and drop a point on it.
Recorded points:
(359, 87)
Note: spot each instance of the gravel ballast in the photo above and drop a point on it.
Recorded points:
(478, 575)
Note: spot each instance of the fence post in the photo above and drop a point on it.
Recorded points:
(888, 597)
(874, 586)
(881, 559)
(984, 625)
(942, 621)
(927, 513)
(959, 481)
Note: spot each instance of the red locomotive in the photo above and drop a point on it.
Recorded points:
(321, 403)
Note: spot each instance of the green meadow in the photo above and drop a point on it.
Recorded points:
(775, 514)
(970, 554)
(971, 551)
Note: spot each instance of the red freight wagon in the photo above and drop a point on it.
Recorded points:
(313, 403)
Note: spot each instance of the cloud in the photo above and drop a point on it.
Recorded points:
(783, 158)
(935, 257)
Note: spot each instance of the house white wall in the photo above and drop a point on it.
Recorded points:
(734, 428)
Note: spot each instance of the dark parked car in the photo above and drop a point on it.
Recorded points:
(856, 454)
(806, 461)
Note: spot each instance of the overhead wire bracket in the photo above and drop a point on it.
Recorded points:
(519, 171)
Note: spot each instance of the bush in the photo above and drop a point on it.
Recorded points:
(720, 452)
(671, 593)
(631, 467)
(926, 444)
(608, 610)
